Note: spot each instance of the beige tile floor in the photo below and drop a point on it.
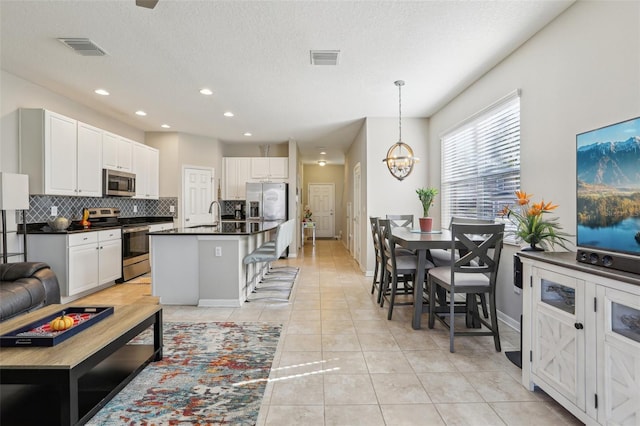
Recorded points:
(340, 362)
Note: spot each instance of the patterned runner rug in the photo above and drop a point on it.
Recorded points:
(211, 374)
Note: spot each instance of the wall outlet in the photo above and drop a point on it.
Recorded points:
(54, 210)
(218, 251)
(172, 209)
(135, 209)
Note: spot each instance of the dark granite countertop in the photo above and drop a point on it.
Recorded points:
(43, 228)
(227, 227)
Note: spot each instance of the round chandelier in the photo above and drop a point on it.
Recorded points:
(400, 159)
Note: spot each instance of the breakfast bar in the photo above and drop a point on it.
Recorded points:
(202, 265)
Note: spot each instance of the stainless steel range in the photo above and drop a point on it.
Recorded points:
(135, 241)
(135, 251)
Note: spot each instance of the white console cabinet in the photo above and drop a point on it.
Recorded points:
(581, 337)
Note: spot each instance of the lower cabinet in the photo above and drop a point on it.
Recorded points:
(81, 261)
(581, 341)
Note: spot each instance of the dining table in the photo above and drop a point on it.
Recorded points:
(421, 242)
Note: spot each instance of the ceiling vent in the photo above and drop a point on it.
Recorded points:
(83, 46)
(324, 57)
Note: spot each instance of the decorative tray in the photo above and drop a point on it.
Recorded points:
(39, 333)
(417, 231)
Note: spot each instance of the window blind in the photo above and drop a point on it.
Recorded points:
(481, 162)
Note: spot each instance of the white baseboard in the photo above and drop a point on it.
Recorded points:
(218, 303)
(507, 320)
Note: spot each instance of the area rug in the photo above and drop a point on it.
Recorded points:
(211, 374)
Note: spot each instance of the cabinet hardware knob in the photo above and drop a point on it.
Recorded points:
(578, 326)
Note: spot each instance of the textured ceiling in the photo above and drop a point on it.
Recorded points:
(254, 55)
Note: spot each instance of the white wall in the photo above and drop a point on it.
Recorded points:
(580, 72)
(386, 194)
(20, 93)
(357, 153)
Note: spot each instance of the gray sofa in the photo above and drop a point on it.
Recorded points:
(26, 286)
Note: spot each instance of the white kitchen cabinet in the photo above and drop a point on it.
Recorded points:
(145, 165)
(581, 337)
(269, 168)
(82, 261)
(110, 255)
(89, 161)
(237, 172)
(117, 152)
(60, 155)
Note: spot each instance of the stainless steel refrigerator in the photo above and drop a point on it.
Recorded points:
(267, 201)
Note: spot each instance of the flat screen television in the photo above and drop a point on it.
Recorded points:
(608, 196)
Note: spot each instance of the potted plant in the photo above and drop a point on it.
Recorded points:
(532, 227)
(426, 196)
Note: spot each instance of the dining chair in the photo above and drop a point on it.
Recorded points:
(441, 257)
(403, 220)
(398, 267)
(379, 267)
(473, 272)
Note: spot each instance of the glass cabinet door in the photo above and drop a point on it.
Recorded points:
(618, 343)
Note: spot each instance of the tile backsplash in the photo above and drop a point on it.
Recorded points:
(71, 207)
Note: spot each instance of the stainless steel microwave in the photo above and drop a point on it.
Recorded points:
(118, 184)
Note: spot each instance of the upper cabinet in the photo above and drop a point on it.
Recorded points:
(60, 155)
(236, 175)
(117, 153)
(269, 168)
(89, 160)
(145, 165)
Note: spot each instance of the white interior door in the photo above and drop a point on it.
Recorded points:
(322, 202)
(197, 194)
(357, 232)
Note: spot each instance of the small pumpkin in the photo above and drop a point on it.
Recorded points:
(61, 323)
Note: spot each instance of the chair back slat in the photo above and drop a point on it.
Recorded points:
(400, 220)
(469, 220)
(376, 237)
(387, 243)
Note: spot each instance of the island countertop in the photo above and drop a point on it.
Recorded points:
(225, 227)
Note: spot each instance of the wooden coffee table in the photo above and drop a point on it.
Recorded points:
(80, 374)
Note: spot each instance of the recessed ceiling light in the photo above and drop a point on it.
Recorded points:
(165, 126)
(101, 92)
(206, 91)
(248, 134)
(323, 153)
(228, 114)
(141, 113)
(322, 163)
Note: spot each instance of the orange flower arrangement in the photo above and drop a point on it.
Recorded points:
(530, 224)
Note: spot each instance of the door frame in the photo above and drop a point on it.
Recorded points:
(357, 211)
(183, 188)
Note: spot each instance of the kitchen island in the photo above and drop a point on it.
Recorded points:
(202, 265)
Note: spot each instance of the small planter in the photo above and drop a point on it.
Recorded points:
(426, 224)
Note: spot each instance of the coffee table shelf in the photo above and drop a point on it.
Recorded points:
(82, 373)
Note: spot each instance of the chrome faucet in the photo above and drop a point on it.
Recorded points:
(219, 215)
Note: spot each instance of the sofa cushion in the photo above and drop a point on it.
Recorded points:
(26, 286)
(21, 295)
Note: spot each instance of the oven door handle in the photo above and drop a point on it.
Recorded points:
(135, 229)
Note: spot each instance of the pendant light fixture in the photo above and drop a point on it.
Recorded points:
(400, 159)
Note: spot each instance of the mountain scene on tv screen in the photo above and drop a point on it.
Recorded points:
(608, 202)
